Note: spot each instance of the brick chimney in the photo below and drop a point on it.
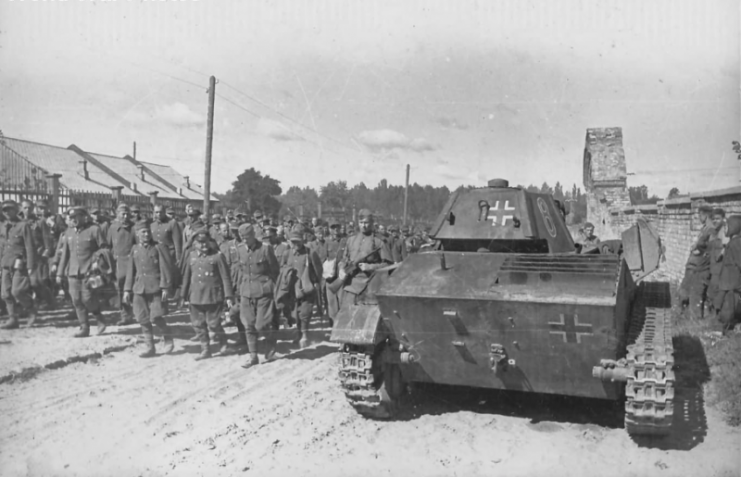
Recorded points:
(85, 173)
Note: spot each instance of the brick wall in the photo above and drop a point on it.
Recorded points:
(677, 221)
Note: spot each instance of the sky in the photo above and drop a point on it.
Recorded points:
(317, 91)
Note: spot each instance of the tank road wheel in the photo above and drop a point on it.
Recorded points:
(372, 387)
(649, 392)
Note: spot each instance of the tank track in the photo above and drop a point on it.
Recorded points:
(649, 392)
(360, 375)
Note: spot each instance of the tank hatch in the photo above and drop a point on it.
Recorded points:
(502, 219)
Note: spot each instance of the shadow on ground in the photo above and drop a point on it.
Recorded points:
(436, 399)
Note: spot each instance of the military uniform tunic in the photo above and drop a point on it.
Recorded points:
(167, 232)
(149, 271)
(206, 284)
(258, 273)
(18, 257)
(78, 253)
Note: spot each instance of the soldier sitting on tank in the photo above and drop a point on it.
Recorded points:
(589, 242)
(365, 253)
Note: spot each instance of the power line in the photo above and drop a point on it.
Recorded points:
(288, 118)
(239, 106)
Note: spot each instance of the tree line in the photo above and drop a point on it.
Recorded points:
(254, 191)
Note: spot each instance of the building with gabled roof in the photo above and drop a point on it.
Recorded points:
(72, 176)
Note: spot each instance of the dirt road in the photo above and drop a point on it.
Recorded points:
(122, 415)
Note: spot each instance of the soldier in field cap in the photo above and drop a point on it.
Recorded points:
(258, 274)
(299, 283)
(121, 238)
(364, 254)
(149, 281)
(207, 285)
(18, 261)
(79, 262)
(696, 278)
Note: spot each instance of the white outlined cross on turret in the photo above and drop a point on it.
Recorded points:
(500, 216)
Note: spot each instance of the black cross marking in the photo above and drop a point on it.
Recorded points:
(569, 328)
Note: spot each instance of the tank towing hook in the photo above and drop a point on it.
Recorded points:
(611, 370)
(498, 359)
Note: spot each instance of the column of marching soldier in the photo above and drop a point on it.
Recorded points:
(257, 274)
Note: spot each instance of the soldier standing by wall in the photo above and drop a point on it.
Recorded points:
(697, 270)
(730, 278)
(121, 238)
(716, 246)
(78, 260)
(149, 278)
(18, 262)
(259, 271)
(207, 285)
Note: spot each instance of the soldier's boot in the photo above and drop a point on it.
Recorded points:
(303, 342)
(124, 319)
(11, 324)
(254, 361)
(102, 325)
(148, 336)
(252, 345)
(169, 342)
(205, 349)
(31, 319)
(270, 343)
(222, 342)
(84, 330)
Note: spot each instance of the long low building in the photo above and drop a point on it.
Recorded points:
(71, 176)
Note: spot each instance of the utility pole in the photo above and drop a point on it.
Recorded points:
(406, 197)
(209, 145)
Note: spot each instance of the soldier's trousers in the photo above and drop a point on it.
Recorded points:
(15, 289)
(148, 307)
(40, 281)
(205, 318)
(694, 287)
(125, 308)
(334, 301)
(257, 316)
(730, 309)
(302, 312)
(84, 299)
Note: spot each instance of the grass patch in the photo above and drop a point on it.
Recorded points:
(715, 367)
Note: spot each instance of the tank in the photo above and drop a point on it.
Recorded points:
(503, 301)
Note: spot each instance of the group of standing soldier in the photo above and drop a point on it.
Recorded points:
(257, 273)
(712, 276)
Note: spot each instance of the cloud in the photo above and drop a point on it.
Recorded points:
(451, 123)
(421, 145)
(276, 130)
(384, 140)
(180, 115)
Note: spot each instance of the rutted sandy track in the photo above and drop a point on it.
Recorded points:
(172, 416)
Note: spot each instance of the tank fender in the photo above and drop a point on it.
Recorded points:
(359, 325)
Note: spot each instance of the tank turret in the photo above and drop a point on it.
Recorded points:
(499, 218)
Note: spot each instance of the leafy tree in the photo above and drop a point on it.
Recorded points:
(252, 191)
(639, 195)
(674, 192)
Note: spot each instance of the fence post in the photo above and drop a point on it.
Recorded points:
(54, 203)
